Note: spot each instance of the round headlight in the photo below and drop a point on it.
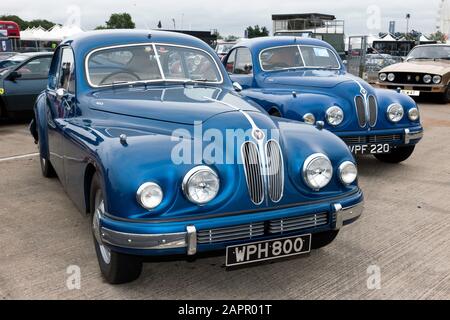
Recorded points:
(413, 114)
(382, 76)
(427, 78)
(317, 171)
(395, 112)
(201, 185)
(437, 79)
(348, 172)
(149, 195)
(309, 118)
(391, 77)
(334, 116)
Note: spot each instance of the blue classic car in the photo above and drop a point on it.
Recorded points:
(304, 79)
(22, 78)
(147, 134)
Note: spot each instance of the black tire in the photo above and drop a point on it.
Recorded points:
(320, 240)
(446, 95)
(46, 167)
(397, 155)
(116, 268)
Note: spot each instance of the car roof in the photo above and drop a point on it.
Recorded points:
(261, 43)
(90, 40)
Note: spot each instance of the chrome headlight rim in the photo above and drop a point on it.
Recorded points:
(306, 165)
(342, 167)
(382, 76)
(188, 177)
(437, 79)
(329, 113)
(427, 78)
(309, 118)
(414, 114)
(143, 188)
(391, 77)
(389, 112)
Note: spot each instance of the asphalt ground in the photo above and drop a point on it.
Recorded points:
(398, 249)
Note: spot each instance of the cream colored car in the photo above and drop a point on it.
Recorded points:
(426, 69)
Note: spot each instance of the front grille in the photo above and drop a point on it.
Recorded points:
(254, 230)
(387, 138)
(253, 172)
(373, 111)
(248, 231)
(361, 110)
(409, 78)
(299, 223)
(275, 171)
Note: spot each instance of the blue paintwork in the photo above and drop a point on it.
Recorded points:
(317, 90)
(87, 136)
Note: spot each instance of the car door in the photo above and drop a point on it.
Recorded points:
(58, 100)
(240, 67)
(21, 92)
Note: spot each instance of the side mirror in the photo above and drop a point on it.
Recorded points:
(237, 87)
(61, 93)
(14, 75)
(345, 62)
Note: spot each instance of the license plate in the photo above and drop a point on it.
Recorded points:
(413, 93)
(370, 148)
(267, 250)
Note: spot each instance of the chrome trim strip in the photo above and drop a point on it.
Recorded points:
(346, 214)
(143, 241)
(153, 44)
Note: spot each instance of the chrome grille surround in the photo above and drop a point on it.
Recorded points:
(248, 231)
(254, 230)
(387, 138)
(361, 111)
(372, 110)
(275, 171)
(253, 171)
(298, 223)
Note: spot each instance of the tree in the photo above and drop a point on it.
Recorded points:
(39, 22)
(231, 38)
(256, 31)
(118, 21)
(438, 36)
(22, 23)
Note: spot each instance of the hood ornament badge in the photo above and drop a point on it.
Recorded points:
(363, 91)
(258, 134)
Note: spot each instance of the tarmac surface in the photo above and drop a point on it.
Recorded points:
(404, 234)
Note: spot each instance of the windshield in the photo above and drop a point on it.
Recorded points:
(12, 61)
(430, 52)
(224, 48)
(151, 63)
(290, 57)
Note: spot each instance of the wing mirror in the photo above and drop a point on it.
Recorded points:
(61, 93)
(345, 62)
(237, 87)
(14, 75)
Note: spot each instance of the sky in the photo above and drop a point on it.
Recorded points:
(230, 16)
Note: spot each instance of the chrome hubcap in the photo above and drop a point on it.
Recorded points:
(99, 211)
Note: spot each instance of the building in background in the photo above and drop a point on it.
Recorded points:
(315, 25)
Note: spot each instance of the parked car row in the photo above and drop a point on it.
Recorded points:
(173, 152)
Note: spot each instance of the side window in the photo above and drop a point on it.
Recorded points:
(36, 68)
(54, 69)
(230, 62)
(66, 74)
(244, 63)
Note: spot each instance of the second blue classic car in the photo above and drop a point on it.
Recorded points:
(304, 79)
(147, 134)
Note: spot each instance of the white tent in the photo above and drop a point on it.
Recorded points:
(56, 33)
(389, 37)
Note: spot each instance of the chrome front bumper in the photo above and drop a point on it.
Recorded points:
(188, 239)
(344, 215)
(409, 136)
